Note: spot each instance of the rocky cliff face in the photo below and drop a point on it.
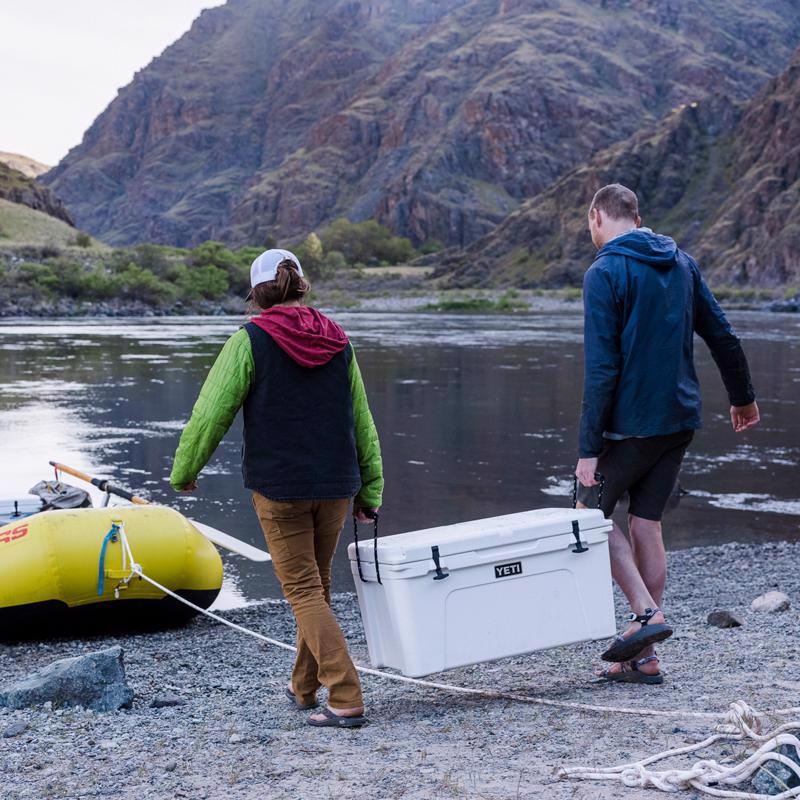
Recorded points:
(439, 119)
(754, 231)
(19, 188)
(722, 178)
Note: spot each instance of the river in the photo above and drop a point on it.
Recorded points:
(477, 417)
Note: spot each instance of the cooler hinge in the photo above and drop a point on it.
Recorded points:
(576, 532)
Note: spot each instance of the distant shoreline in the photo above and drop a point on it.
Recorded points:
(460, 301)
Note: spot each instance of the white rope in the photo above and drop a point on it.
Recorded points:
(709, 777)
(739, 723)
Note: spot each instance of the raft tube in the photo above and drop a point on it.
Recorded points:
(50, 571)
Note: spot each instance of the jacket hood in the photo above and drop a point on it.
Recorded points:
(304, 334)
(645, 246)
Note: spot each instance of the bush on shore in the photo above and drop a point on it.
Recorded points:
(162, 276)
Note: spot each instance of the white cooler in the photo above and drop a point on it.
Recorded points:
(491, 588)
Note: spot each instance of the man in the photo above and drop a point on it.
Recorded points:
(643, 301)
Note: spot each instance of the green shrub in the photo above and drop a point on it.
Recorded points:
(334, 262)
(207, 282)
(82, 239)
(39, 280)
(360, 242)
(510, 301)
(430, 247)
(153, 257)
(465, 304)
(234, 266)
(137, 283)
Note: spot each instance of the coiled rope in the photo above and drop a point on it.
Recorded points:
(739, 723)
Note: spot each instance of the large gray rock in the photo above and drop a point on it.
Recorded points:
(95, 681)
(774, 777)
(771, 602)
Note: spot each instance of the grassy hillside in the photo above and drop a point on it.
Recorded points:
(29, 167)
(21, 226)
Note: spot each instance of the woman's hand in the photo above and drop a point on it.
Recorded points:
(365, 515)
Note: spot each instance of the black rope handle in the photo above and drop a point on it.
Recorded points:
(373, 515)
(597, 477)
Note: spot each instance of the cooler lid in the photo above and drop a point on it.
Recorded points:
(480, 534)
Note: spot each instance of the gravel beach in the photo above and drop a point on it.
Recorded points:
(236, 736)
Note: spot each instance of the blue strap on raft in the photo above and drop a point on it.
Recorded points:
(111, 535)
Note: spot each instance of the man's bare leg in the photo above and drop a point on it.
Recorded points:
(647, 544)
(626, 573)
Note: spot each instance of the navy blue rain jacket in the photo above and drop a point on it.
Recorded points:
(643, 301)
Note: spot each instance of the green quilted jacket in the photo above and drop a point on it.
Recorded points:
(221, 397)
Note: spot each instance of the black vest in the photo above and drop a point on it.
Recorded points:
(299, 436)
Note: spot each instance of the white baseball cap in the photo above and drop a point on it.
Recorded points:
(265, 267)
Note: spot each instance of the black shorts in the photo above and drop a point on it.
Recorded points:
(646, 468)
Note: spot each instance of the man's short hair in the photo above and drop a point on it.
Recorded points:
(616, 201)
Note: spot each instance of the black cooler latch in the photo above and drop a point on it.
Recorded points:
(576, 529)
(576, 532)
(439, 576)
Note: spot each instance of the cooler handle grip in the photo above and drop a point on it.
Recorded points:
(597, 477)
(576, 528)
(374, 515)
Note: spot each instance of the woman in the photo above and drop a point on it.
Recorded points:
(310, 446)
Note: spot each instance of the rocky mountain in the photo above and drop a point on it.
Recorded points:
(438, 119)
(16, 187)
(722, 178)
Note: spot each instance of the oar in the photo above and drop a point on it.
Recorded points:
(102, 485)
(212, 534)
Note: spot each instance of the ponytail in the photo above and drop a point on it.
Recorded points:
(288, 285)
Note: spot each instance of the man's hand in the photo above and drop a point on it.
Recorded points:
(744, 417)
(361, 514)
(586, 469)
(189, 487)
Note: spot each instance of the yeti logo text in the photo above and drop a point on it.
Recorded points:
(507, 570)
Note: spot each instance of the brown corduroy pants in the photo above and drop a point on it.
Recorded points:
(301, 537)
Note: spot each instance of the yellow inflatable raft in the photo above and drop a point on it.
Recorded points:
(51, 574)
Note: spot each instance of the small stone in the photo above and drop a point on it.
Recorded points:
(166, 701)
(771, 602)
(171, 766)
(723, 619)
(774, 777)
(15, 729)
(107, 744)
(235, 738)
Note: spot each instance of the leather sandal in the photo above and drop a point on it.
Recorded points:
(335, 721)
(630, 673)
(624, 648)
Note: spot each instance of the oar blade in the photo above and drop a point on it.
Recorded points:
(229, 542)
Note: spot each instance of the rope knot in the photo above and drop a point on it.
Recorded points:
(740, 719)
